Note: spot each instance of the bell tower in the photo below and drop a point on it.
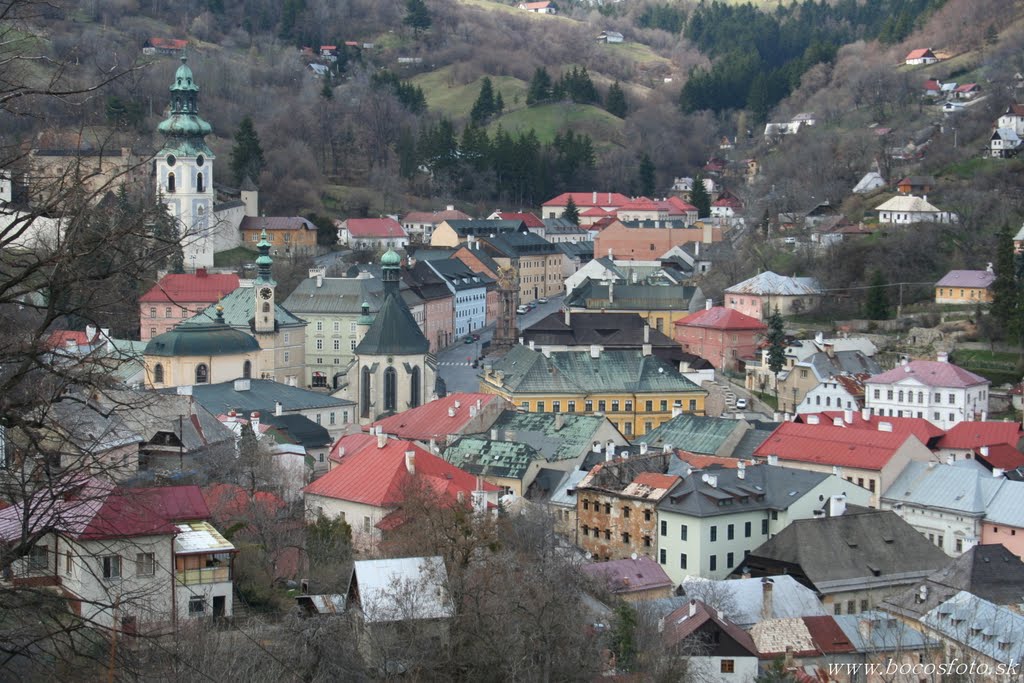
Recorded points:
(184, 170)
(264, 288)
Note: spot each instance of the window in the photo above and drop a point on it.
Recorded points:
(525, 405)
(647, 515)
(940, 541)
(682, 532)
(111, 566)
(863, 605)
(627, 428)
(682, 560)
(145, 564)
(729, 533)
(200, 185)
(871, 485)
(661, 556)
(152, 332)
(607, 534)
(729, 561)
(625, 512)
(202, 374)
(664, 528)
(586, 504)
(888, 394)
(152, 311)
(714, 533)
(952, 398)
(625, 538)
(366, 525)
(601, 406)
(647, 541)
(540, 406)
(351, 346)
(959, 545)
(337, 345)
(586, 530)
(37, 558)
(692, 405)
(319, 325)
(713, 563)
(588, 406)
(556, 406)
(615, 406)
(196, 605)
(851, 606)
(414, 387)
(728, 666)
(170, 182)
(607, 508)
(629, 406)
(649, 406)
(664, 407)
(364, 392)
(390, 389)
(764, 527)
(247, 369)
(746, 529)
(571, 406)
(158, 374)
(837, 608)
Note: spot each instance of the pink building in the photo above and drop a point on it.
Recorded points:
(179, 296)
(721, 336)
(763, 293)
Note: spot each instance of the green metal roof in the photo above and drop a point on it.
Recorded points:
(394, 331)
(506, 459)
(209, 338)
(390, 258)
(336, 296)
(240, 312)
(592, 295)
(260, 396)
(541, 431)
(693, 433)
(626, 371)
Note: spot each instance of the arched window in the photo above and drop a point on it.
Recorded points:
(390, 389)
(158, 374)
(414, 388)
(170, 182)
(364, 392)
(247, 369)
(266, 307)
(202, 374)
(199, 182)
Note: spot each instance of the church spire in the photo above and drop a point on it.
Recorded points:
(184, 129)
(264, 261)
(390, 263)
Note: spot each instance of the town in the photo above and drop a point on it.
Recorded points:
(712, 429)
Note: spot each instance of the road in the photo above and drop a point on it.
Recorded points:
(455, 364)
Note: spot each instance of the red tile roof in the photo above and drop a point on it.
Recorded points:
(639, 204)
(1003, 455)
(825, 444)
(675, 204)
(932, 373)
(431, 421)
(966, 87)
(198, 287)
(924, 430)
(827, 635)
(595, 211)
(656, 480)
(728, 201)
(932, 84)
(629, 575)
(700, 462)
(379, 476)
(529, 219)
(169, 43)
(972, 435)
(375, 227)
(588, 199)
(721, 318)
(680, 625)
(918, 54)
(58, 338)
(1015, 110)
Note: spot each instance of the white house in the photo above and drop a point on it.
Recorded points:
(1005, 142)
(729, 654)
(544, 7)
(377, 234)
(835, 393)
(907, 209)
(125, 559)
(871, 181)
(921, 56)
(1013, 118)
(935, 390)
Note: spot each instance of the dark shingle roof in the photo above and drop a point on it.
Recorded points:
(641, 297)
(611, 330)
(764, 487)
(694, 433)
(261, 395)
(394, 331)
(202, 339)
(301, 429)
(336, 295)
(516, 244)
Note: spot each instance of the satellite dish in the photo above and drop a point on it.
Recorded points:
(588, 555)
(633, 556)
(704, 478)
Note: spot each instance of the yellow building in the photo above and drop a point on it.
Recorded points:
(637, 392)
(658, 302)
(965, 287)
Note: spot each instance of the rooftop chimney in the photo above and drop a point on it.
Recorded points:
(382, 440)
(567, 317)
(643, 448)
(813, 419)
(232, 416)
(819, 338)
(494, 434)
(647, 333)
(943, 357)
(767, 607)
(693, 607)
(865, 414)
(837, 422)
(984, 451)
(254, 420)
(712, 480)
(532, 346)
(773, 460)
(90, 333)
(410, 461)
(595, 351)
(278, 408)
(741, 470)
(559, 421)
(836, 506)
(707, 304)
(998, 472)
(848, 416)
(451, 411)
(242, 385)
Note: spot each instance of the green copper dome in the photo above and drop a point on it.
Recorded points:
(183, 77)
(391, 258)
(202, 339)
(184, 128)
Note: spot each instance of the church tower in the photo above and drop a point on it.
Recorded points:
(184, 170)
(264, 288)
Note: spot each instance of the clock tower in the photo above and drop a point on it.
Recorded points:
(264, 288)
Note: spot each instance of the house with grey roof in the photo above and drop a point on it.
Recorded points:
(853, 560)
(762, 294)
(709, 522)
(991, 572)
(469, 291)
(974, 629)
(630, 297)
(749, 601)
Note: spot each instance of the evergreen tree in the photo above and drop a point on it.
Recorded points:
(499, 103)
(775, 673)
(645, 176)
(1005, 306)
(776, 338)
(877, 305)
(327, 92)
(417, 16)
(700, 198)
(623, 636)
(246, 155)
(615, 101)
(405, 148)
(484, 106)
(540, 87)
(571, 212)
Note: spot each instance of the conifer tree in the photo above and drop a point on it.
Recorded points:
(776, 338)
(877, 306)
(1005, 306)
(540, 87)
(615, 101)
(700, 198)
(247, 154)
(645, 176)
(484, 105)
(571, 212)
(417, 16)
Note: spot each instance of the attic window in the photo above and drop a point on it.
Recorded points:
(851, 543)
(888, 539)
(875, 571)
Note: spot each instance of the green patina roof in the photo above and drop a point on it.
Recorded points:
(506, 459)
(541, 432)
(577, 372)
(208, 338)
(184, 128)
(390, 258)
(694, 433)
(394, 331)
(183, 79)
(240, 312)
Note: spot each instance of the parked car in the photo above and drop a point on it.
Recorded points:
(522, 310)
(468, 340)
(476, 337)
(741, 404)
(542, 300)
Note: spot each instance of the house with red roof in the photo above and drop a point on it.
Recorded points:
(419, 225)
(870, 459)
(164, 46)
(607, 201)
(633, 580)
(641, 209)
(726, 207)
(996, 444)
(1012, 118)
(967, 91)
(921, 56)
(372, 234)
(532, 222)
(935, 390)
(444, 419)
(723, 336)
(542, 7)
(179, 296)
(370, 477)
(728, 652)
(125, 559)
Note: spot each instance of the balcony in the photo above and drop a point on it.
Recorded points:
(192, 577)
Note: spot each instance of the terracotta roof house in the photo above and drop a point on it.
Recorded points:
(921, 56)
(606, 201)
(178, 296)
(420, 224)
(853, 560)
(542, 7)
(372, 233)
(370, 476)
(164, 46)
(869, 459)
(93, 539)
(723, 336)
(731, 653)
(970, 287)
(916, 184)
(935, 390)
(631, 579)
(967, 91)
(452, 416)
